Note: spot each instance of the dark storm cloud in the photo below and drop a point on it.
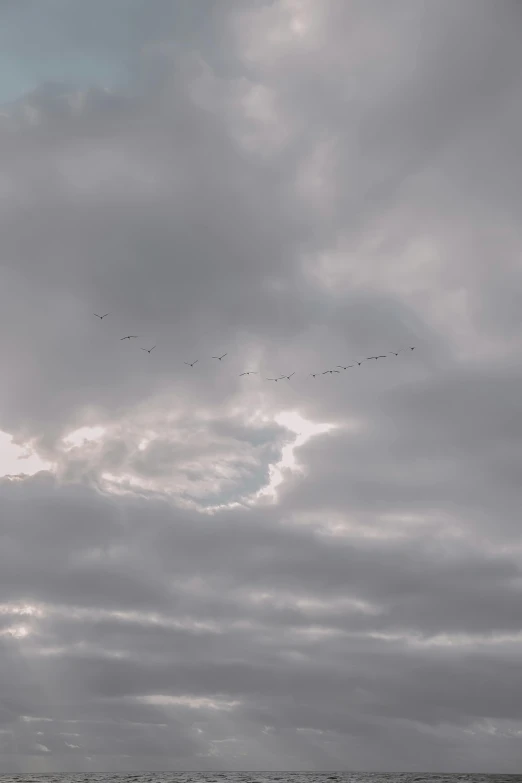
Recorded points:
(297, 184)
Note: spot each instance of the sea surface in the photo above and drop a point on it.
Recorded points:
(261, 777)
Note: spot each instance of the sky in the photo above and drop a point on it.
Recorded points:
(201, 570)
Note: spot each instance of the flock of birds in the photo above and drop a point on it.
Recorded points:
(338, 369)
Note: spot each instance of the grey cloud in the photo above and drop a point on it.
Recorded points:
(409, 580)
(452, 432)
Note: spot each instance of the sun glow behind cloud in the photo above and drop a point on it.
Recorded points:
(303, 430)
(83, 436)
(142, 435)
(19, 460)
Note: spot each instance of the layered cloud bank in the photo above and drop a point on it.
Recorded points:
(202, 570)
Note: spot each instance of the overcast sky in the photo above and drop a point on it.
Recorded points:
(205, 571)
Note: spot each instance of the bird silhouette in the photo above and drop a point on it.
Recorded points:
(101, 317)
(149, 350)
(251, 372)
(219, 357)
(412, 349)
(191, 364)
(395, 353)
(330, 371)
(359, 363)
(314, 374)
(288, 376)
(129, 337)
(276, 379)
(382, 356)
(345, 368)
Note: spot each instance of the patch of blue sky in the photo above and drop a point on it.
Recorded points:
(99, 43)
(19, 76)
(73, 42)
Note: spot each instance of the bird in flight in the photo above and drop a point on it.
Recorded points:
(412, 349)
(359, 363)
(382, 356)
(314, 374)
(191, 364)
(219, 357)
(330, 371)
(251, 372)
(345, 368)
(276, 379)
(395, 353)
(101, 317)
(129, 337)
(287, 376)
(149, 350)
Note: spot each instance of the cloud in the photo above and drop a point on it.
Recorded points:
(189, 583)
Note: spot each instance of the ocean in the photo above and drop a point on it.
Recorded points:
(262, 777)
